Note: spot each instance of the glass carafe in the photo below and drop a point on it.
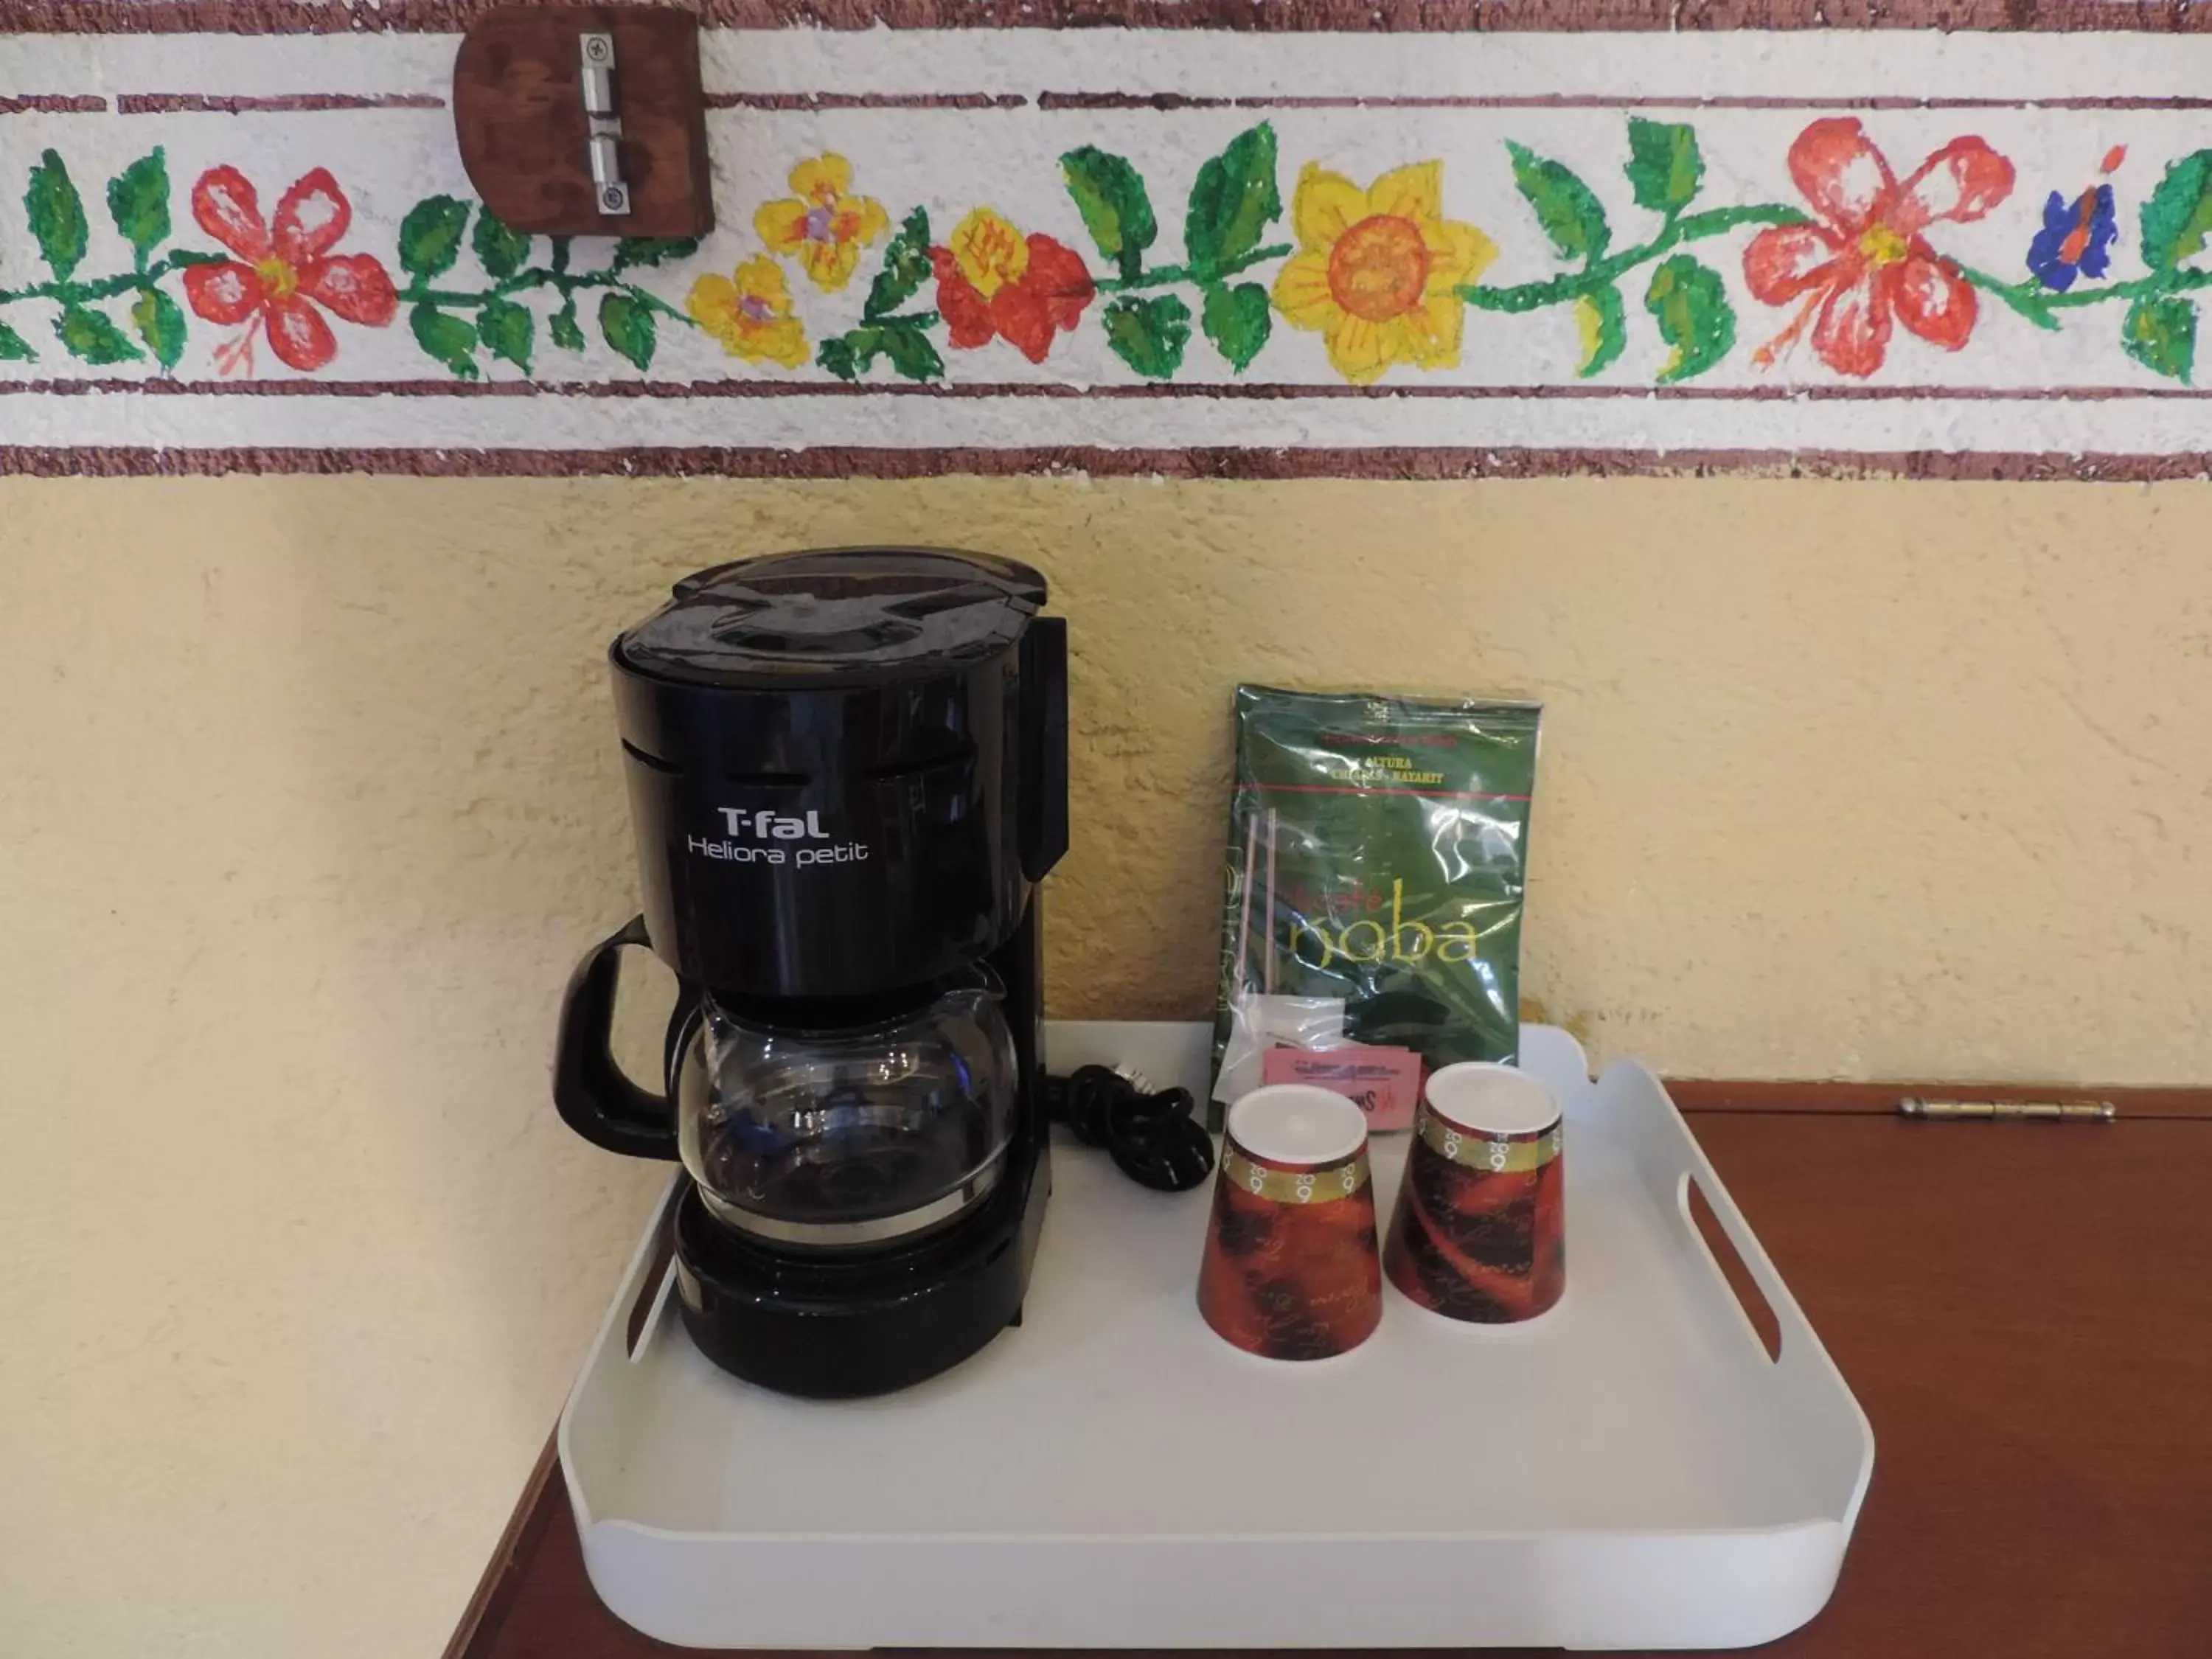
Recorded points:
(850, 1137)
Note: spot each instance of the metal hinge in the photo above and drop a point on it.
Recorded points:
(603, 123)
(2053, 1111)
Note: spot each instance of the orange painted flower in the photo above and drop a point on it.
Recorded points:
(1377, 270)
(750, 312)
(992, 282)
(283, 273)
(1863, 262)
(822, 226)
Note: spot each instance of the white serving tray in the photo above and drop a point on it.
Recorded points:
(1630, 1470)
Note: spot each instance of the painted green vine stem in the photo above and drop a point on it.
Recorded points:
(1200, 275)
(109, 287)
(1574, 285)
(430, 242)
(566, 284)
(138, 203)
(2037, 303)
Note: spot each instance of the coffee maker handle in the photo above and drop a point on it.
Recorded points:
(594, 1098)
(1044, 745)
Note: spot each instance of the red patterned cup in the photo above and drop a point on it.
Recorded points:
(1480, 1232)
(1292, 1271)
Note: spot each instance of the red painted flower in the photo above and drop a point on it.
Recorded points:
(992, 282)
(1865, 261)
(282, 273)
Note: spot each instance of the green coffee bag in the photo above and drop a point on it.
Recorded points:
(1372, 928)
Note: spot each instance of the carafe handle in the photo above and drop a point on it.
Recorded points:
(594, 1098)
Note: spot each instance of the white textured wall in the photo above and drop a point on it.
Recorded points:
(308, 800)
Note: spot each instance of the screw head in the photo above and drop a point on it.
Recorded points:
(615, 200)
(598, 48)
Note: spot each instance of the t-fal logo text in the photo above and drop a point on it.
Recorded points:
(761, 825)
(757, 837)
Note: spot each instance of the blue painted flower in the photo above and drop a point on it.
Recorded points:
(2076, 237)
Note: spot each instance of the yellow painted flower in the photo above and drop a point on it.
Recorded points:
(824, 227)
(988, 251)
(750, 312)
(1376, 269)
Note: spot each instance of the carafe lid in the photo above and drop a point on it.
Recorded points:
(843, 613)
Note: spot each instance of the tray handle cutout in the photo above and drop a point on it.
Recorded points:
(1734, 1272)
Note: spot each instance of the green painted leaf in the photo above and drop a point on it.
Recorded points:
(161, 324)
(906, 345)
(57, 216)
(652, 250)
(500, 251)
(180, 257)
(507, 330)
(1603, 320)
(1664, 165)
(138, 202)
(627, 325)
(848, 355)
(1571, 216)
(2177, 218)
(430, 236)
(452, 340)
(1690, 303)
(906, 268)
(2161, 336)
(1232, 202)
(1116, 210)
(1238, 320)
(13, 347)
(91, 337)
(1148, 332)
(913, 354)
(563, 327)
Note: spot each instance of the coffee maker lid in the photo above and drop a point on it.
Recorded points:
(839, 613)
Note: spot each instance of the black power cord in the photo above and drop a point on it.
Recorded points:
(1152, 1136)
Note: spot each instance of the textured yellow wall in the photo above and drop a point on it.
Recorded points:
(311, 800)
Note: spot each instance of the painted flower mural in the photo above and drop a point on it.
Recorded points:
(1378, 271)
(823, 224)
(2077, 235)
(284, 275)
(1862, 260)
(2076, 239)
(994, 283)
(749, 312)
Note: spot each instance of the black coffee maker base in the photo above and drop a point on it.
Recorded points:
(832, 1329)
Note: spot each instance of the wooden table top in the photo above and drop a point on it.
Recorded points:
(2024, 1310)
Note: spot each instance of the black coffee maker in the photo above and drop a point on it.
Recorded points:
(847, 771)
